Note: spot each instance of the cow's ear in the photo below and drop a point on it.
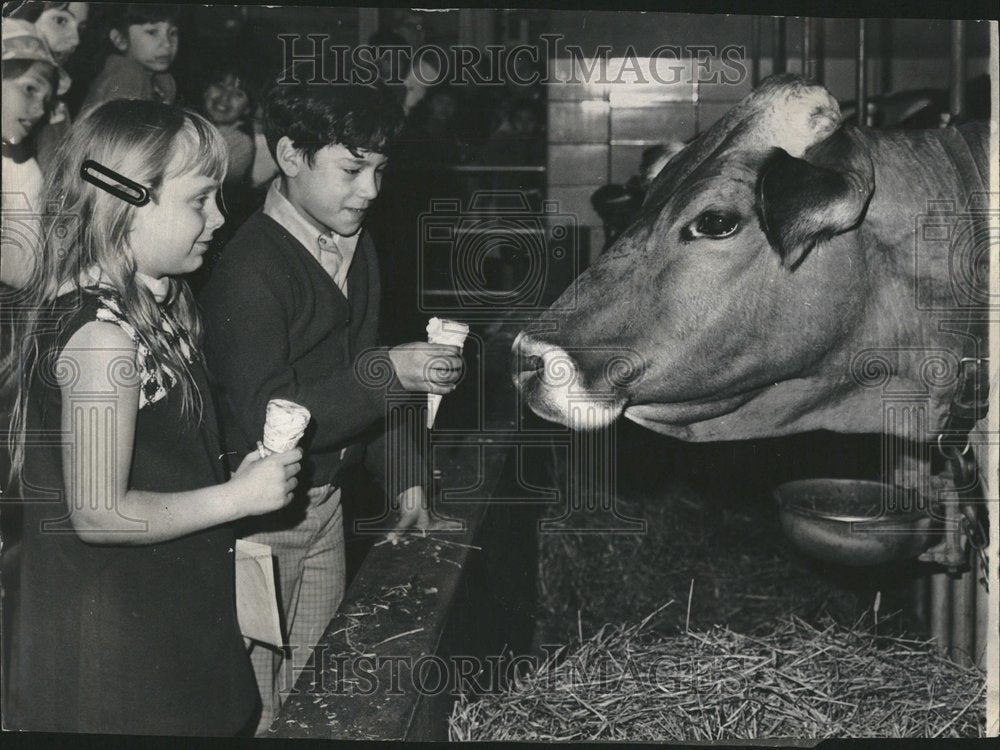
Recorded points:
(801, 202)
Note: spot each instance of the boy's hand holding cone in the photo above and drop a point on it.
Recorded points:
(429, 367)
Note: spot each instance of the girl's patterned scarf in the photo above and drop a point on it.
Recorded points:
(155, 379)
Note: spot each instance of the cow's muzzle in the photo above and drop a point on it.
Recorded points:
(552, 382)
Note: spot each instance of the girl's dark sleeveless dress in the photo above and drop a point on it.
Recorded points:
(120, 639)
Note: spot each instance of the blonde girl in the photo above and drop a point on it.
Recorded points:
(117, 554)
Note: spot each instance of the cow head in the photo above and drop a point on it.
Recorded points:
(714, 315)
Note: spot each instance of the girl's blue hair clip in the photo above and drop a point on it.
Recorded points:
(111, 182)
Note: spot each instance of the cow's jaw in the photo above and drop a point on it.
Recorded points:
(681, 420)
(782, 408)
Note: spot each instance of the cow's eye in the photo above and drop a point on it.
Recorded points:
(713, 225)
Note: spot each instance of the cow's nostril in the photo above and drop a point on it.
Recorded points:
(532, 363)
(532, 359)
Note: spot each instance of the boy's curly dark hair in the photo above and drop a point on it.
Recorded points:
(316, 115)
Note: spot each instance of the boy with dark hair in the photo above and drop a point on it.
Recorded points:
(144, 40)
(290, 307)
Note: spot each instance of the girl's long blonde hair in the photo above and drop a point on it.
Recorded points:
(86, 229)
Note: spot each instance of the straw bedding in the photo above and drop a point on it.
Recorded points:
(757, 641)
(799, 681)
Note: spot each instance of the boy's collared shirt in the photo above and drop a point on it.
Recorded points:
(324, 247)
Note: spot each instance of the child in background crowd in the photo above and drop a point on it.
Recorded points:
(31, 80)
(423, 71)
(226, 103)
(60, 25)
(519, 139)
(619, 205)
(144, 39)
(123, 619)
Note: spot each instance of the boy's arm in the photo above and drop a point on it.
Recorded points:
(246, 343)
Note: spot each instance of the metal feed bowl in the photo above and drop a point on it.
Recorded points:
(853, 521)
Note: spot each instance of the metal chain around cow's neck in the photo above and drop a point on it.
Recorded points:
(970, 401)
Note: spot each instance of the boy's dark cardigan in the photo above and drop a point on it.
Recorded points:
(277, 326)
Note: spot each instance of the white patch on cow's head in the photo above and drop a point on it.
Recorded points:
(795, 118)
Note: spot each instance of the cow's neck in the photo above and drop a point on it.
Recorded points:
(904, 359)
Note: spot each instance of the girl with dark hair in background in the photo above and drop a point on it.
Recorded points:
(144, 41)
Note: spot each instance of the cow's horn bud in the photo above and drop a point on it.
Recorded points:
(798, 118)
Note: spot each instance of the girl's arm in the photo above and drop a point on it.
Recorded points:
(100, 401)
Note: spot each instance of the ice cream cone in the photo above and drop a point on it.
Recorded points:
(284, 425)
(443, 331)
(433, 404)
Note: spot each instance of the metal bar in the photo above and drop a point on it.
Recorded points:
(818, 48)
(982, 618)
(476, 169)
(861, 75)
(918, 596)
(367, 24)
(963, 618)
(807, 48)
(956, 102)
(755, 50)
(779, 57)
(940, 609)
(885, 52)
